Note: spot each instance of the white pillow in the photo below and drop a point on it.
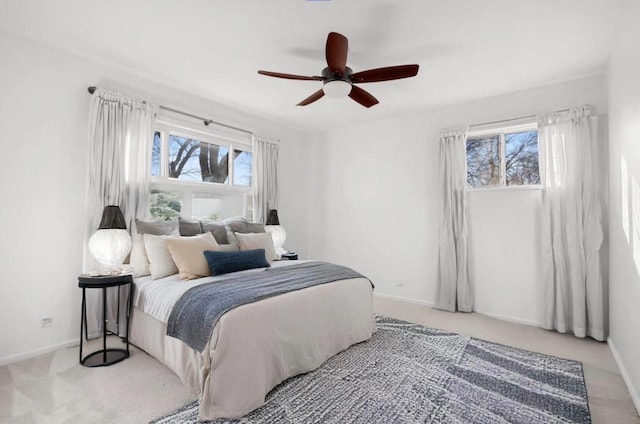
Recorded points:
(188, 254)
(233, 241)
(161, 263)
(251, 241)
(139, 260)
(229, 247)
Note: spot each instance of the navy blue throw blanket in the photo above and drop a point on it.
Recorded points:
(198, 310)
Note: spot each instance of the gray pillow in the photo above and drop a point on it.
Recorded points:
(245, 227)
(255, 228)
(157, 228)
(233, 241)
(218, 230)
(190, 227)
(236, 226)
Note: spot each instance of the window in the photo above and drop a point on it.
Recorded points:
(500, 158)
(483, 161)
(242, 169)
(206, 207)
(521, 158)
(164, 205)
(198, 174)
(155, 155)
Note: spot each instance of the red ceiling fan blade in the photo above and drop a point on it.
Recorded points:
(336, 52)
(385, 74)
(363, 97)
(289, 76)
(312, 98)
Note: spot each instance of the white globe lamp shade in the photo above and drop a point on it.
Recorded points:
(110, 247)
(279, 236)
(337, 89)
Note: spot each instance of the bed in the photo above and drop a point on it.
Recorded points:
(256, 346)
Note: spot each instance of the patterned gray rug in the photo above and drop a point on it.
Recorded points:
(407, 373)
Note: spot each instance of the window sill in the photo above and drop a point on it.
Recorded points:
(169, 184)
(504, 188)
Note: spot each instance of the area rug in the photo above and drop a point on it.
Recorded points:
(408, 373)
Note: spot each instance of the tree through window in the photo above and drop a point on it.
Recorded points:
(521, 158)
(507, 158)
(194, 160)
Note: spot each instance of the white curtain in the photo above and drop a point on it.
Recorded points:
(118, 168)
(571, 227)
(454, 292)
(265, 178)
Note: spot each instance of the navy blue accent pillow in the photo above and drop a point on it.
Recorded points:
(226, 262)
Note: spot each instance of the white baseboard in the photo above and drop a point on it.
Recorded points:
(433, 305)
(633, 392)
(405, 299)
(26, 355)
(511, 319)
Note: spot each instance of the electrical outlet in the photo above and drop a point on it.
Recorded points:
(46, 322)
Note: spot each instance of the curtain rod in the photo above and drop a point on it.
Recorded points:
(205, 121)
(513, 119)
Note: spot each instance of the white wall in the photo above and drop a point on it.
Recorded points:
(43, 126)
(624, 205)
(377, 203)
(504, 253)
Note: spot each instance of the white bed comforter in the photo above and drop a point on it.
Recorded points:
(254, 347)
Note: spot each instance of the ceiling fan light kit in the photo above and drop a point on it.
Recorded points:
(338, 78)
(337, 89)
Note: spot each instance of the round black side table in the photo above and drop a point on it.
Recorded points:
(104, 356)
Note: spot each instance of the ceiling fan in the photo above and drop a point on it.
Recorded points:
(338, 79)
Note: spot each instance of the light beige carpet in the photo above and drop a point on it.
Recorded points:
(54, 388)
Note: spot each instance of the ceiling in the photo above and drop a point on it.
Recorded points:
(466, 49)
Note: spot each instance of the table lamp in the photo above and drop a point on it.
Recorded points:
(111, 243)
(278, 233)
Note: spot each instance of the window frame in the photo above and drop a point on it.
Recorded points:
(232, 164)
(185, 188)
(500, 132)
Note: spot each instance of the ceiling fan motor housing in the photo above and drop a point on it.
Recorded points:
(336, 85)
(329, 76)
